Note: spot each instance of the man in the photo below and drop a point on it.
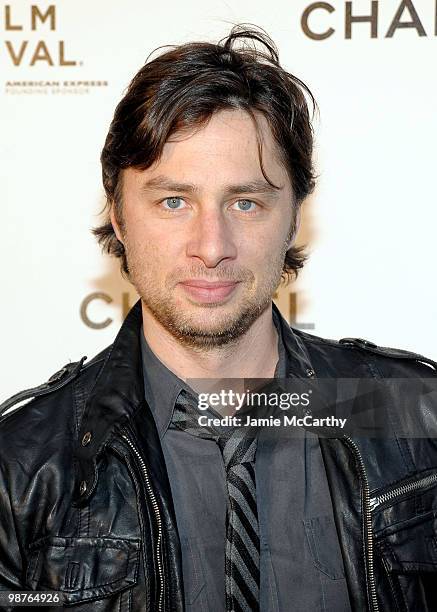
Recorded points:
(113, 494)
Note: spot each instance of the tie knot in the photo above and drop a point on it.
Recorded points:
(237, 444)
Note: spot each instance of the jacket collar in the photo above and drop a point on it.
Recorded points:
(298, 359)
(119, 391)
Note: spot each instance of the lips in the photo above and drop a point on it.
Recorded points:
(208, 291)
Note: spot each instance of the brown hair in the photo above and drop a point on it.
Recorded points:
(182, 88)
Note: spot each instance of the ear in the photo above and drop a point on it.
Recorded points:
(115, 224)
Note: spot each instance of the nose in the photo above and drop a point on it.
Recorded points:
(211, 238)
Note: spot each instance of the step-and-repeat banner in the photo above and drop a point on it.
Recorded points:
(370, 225)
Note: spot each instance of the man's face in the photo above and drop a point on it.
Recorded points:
(205, 235)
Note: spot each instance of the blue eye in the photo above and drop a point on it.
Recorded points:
(245, 205)
(173, 203)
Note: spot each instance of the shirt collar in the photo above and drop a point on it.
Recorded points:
(161, 387)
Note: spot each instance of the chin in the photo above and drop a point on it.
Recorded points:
(214, 329)
(209, 322)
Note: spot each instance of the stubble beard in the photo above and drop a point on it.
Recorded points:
(204, 331)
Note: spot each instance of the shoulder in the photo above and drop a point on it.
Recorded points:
(348, 356)
(37, 438)
(35, 413)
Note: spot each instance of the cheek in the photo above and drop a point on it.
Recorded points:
(154, 252)
(143, 234)
(264, 247)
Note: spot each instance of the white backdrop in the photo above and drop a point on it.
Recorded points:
(370, 224)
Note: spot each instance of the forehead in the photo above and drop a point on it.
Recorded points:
(228, 125)
(225, 149)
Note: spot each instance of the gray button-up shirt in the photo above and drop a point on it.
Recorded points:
(301, 566)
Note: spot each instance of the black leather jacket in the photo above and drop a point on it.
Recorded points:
(85, 502)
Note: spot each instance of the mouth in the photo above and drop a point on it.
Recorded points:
(207, 292)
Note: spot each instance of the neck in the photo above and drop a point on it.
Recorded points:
(254, 355)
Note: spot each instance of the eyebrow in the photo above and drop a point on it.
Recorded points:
(163, 183)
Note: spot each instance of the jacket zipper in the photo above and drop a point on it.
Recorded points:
(402, 490)
(155, 507)
(367, 517)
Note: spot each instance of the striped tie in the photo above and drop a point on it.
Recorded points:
(238, 448)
